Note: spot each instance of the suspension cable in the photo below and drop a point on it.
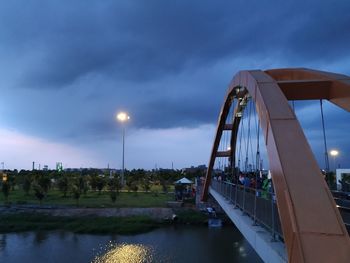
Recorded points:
(252, 111)
(244, 143)
(240, 144)
(248, 139)
(324, 139)
(223, 149)
(233, 151)
(257, 133)
(257, 160)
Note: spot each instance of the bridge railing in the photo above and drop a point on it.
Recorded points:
(259, 205)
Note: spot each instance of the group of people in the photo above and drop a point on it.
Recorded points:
(184, 192)
(261, 183)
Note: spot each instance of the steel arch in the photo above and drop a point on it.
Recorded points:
(312, 226)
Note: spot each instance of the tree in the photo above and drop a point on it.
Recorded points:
(39, 192)
(43, 181)
(22, 176)
(83, 186)
(114, 185)
(164, 184)
(146, 183)
(76, 193)
(134, 187)
(11, 175)
(27, 181)
(129, 184)
(93, 181)
(63, 185)
(100, 183)
(6, 189)
(132, 179)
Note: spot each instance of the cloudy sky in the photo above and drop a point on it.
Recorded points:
(67, 67)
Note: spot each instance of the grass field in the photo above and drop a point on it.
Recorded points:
(92, 225)
(31, 221)
(92, 199)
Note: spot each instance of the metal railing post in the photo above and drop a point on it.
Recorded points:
(255, 200)
(227, 186)
(224, 193)
(236, 195)
(244, 199)
(273, 239)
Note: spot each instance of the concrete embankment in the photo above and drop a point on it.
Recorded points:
(156, 213)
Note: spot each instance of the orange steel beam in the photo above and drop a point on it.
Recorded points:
(237, 116)
(231, 94)
(305, 89)
(224, 153)
(228, 127)
(220, 127)
(312, 227)
(339, 91)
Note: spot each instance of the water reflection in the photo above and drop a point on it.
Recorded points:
(62, 235)
(125, 253)
(2, 242)
(40, 237)
(182, 244)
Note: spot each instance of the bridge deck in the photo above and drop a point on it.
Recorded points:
(269, 249)
(259, 238)
(255, 214)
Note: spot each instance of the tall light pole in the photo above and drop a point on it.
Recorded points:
(334, 154)
(123, 117)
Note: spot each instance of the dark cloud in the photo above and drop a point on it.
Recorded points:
(168, 63)
(140, 41)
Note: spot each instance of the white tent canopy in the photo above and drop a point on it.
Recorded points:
(183, 181)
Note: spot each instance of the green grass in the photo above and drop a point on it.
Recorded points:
(21, 222)
(92, 199)
(192, 217)
(91, 225)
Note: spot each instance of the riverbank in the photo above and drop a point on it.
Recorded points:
(92, 199)
(96, 221)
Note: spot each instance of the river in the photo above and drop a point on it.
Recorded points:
(169, 244)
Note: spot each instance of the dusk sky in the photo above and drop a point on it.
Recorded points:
(67, 68)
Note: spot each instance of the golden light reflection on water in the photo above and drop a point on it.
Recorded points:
(125, 253)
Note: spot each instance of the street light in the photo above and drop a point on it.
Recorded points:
(334, 153)
(123, 117)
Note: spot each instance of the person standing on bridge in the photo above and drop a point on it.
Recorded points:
(246, 181)
(265, 187)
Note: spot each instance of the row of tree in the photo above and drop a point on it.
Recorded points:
(76, 183)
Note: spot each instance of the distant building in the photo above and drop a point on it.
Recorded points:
(59, 167)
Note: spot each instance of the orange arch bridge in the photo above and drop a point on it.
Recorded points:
(312, 227)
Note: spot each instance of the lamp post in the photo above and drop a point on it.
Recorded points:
(334, 154)
(123, 117)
